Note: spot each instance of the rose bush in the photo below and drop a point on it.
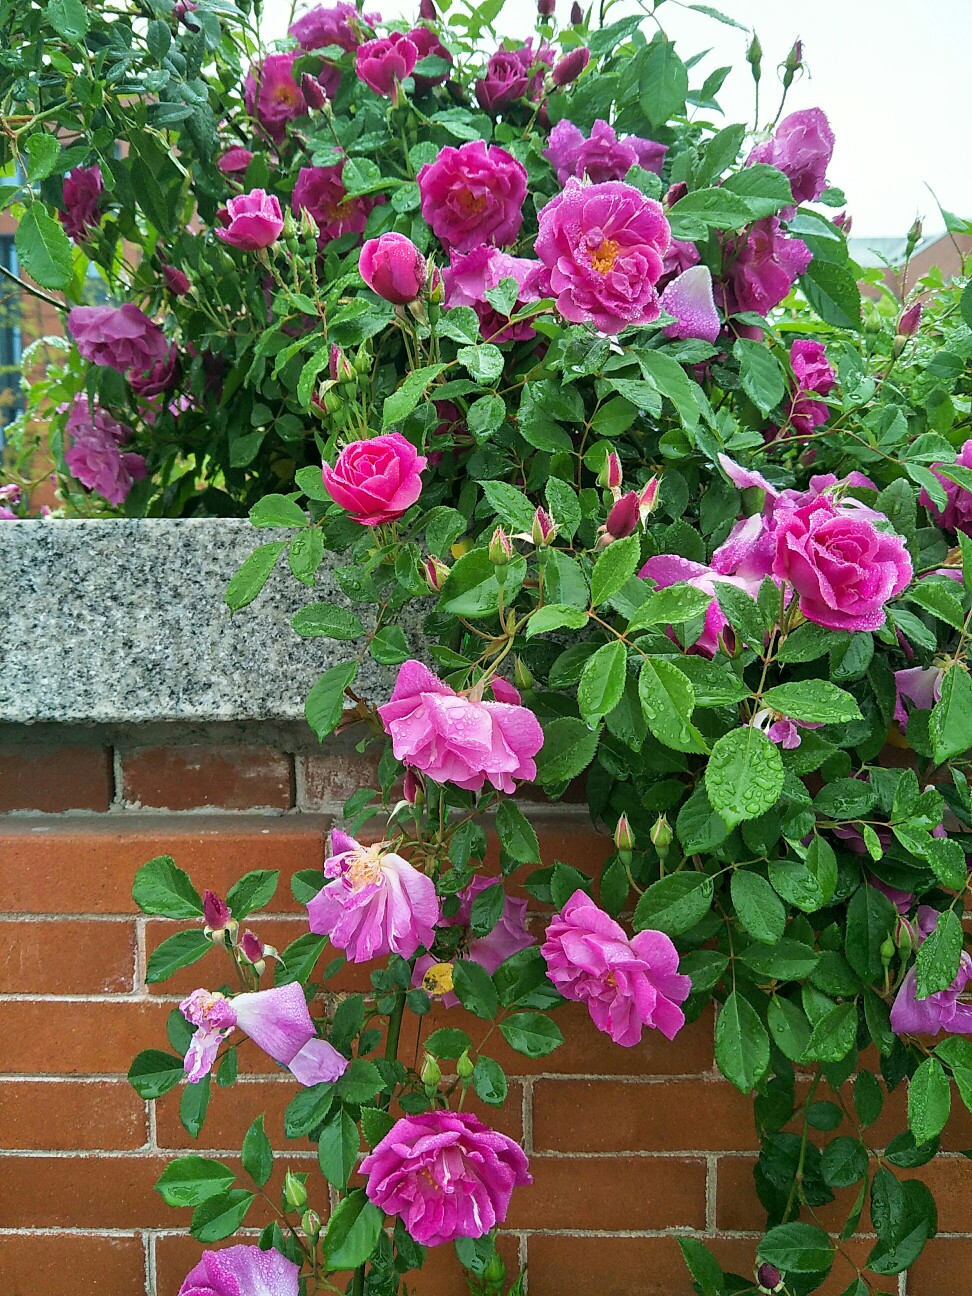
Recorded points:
(521, 334)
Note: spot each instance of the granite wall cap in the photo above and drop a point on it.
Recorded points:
(124, 621)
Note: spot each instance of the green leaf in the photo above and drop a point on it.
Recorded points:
(326, 621)
(361, 1082)
(193, 1106)
(308, 1110)
(764, 189)
(814, 701)
(247, 583)
(667, 702)
(510, 505)
(671, 606)
(602, 681)
(153, 1073)
(43, 249)
(531, 1034)
(616, 565)
(744, 776)
(833, 1036)
(517, 835)
(69, 19)
(797, 1248)
(555, 616)
(252, 892)
(337, 1149)
(703, 1267)
(220, 1217)
(742, 613)
(742, 1049)
(832, 291)
(474, 988)
(663, 83)
(179, 951)
(844, 1162)
(448, 1043)
(786, 960)
(939, 956)
(871, 918)
(484, 362)
(401, 403)
(950, 723)
(305, 554)
(568, 748)
(43, 153)
(257, 1153)
(311, 483)
(277, 511)
(674, 903)
(298, 960)
(904, 1217)
(489, 1081)
(471, 590)
(352, 1232)
(761, 374)
(375, 1124)
(929, 1100)
(325, 702)
(757, 906)
(789, 1027)
(192, 1180)
(163, 889)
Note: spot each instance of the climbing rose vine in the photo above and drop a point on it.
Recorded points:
(562, 400)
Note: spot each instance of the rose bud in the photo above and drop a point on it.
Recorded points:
(311, 1224)
(500, 548)
(623, 519)
(393, 267)
(610, 476)
(914, 235)
(544, 528)
(177, 281)
(648, 498)
(576, 14)
(570, 66)
(413, 788)
(909, 321)
(754, 56)
(431, 1073)
(844, 222)
(313, 91)
(661, 836)
(252, 947)
(769, 1278)
(522, 675)
(464, 1066)
(294, 1192)
(545, 8)
(217, 914)
(675, 192)
(624, 838)
(339, 367)
(427, 10)
(435, 573)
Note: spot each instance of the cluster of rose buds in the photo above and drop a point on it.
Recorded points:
(223, 928)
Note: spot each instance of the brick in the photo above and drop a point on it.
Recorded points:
(739, 1209)
(624, 1193)
(609, 1266)
(943, 1268)
(46, 1265)
(192, 777)
(69, 957)
(60, 866)
(56, 1116)
(76, 1037)
(613, 1116)
(54, 779)
(325, 781)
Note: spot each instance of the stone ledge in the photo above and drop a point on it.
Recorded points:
(124, 621)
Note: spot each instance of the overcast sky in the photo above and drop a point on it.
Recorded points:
(892, 75)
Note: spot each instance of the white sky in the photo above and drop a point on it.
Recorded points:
(892, 76)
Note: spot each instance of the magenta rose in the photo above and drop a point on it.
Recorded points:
(234, 1270)
(454, 739)
(602, 156)
(427, 42)
(627, 984)
(957, 513)
(473, 195)
(272, 96)
(841, 567)
(121, 337)
(339, 24)
(673, 569)
(321, 193)
(689, 299)
(176, 280)
(93, 454)
(253, 221)
(761, 268)
(505, 82)
(536, 63)
(163, 375)
(471, 275)
(393, 267)
(603, 246)
(446, 1174)
(376, 480)
(235, 160)
(801, 148)
(384, 64)
(814, 375)
(81, 212)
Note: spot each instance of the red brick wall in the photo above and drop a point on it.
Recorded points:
(628, 1147)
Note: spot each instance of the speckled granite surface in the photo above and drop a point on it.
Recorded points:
(124, 621)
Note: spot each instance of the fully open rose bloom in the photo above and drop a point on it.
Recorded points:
(453, 739)
(842, 568)
(957, 514)
(601, 156)
(321, 26)
(121, 337)
(242, 1271)
(80, 214)
(473, 195)
(253, 221)
(761, 268)
(801, 148)
(471, 275)
(321, 193)
(446, 1174)
(627, 984)
(377, 903)
(603, 246)
(376, 480)
(393, 267)
(276, 1020)
(272, 96)
(93, 453)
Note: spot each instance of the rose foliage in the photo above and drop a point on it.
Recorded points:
(521, 338)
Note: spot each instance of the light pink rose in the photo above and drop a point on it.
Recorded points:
(689, 299)
(121, 337)
(376, 480)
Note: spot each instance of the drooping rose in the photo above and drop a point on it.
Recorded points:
(626, 983)
(377, 903)
(384, 63)
(801, 148)
(453, 739)
(957, 513)
(242, 1271)
(689, 299)
(321, 193)
(446, 1174)
(761, 268)
(604, 246)
(941, 1011)
(473, 194)
(601, 156)
(426, 41)
(393, 267)
(93, 453)
(814, 375)
(842, 568)
(376, 480)
(254, 221)
(470, 275)
(272, 96)
(121, 337)
(80, 214)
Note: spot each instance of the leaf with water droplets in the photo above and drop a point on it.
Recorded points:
(744, 777)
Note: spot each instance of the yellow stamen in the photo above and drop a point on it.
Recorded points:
(365, 867)
(604, 256)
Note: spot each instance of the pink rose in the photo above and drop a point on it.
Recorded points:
(957, 514)
(160, 377)
(93, 441)
(505, 82)
(761, 268)
(121, 337)
(393, 267)
(272, 96)
(602, 156)
(340, 25)
(604, 245)
(627, 984)
(689, 299)
(321, 193)
(672, 569)
(842, 568)
(80, 214)
(801, 148)
(427, 42)
(254, 221)
(235, 160)
(376, 480)
(919, 685)
(814, 374)
(471, 275)
(453, 739)
(473, 195)
(235, 1269)
(384, 64)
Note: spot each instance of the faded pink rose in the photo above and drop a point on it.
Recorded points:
(814, 375)
(689, 299)
(957, 513)
(941, 1011)
(470, 275)
(761, 267)
(321, 193)
(603, 246)
(163, 375)
(801, 148)
(426, 41)
(454, 739)
(842, 568)
(922, 686)
(253, 221)
(626, 983)
(272, 96)
(93, 454)
(242, 1271)
(339, 24)
(393, 267)
(383, 64)
(376, 480)
(377, 903)
(121, 337)
(81, 212)
(601, 156)
(446, 1174)
(473, 194)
